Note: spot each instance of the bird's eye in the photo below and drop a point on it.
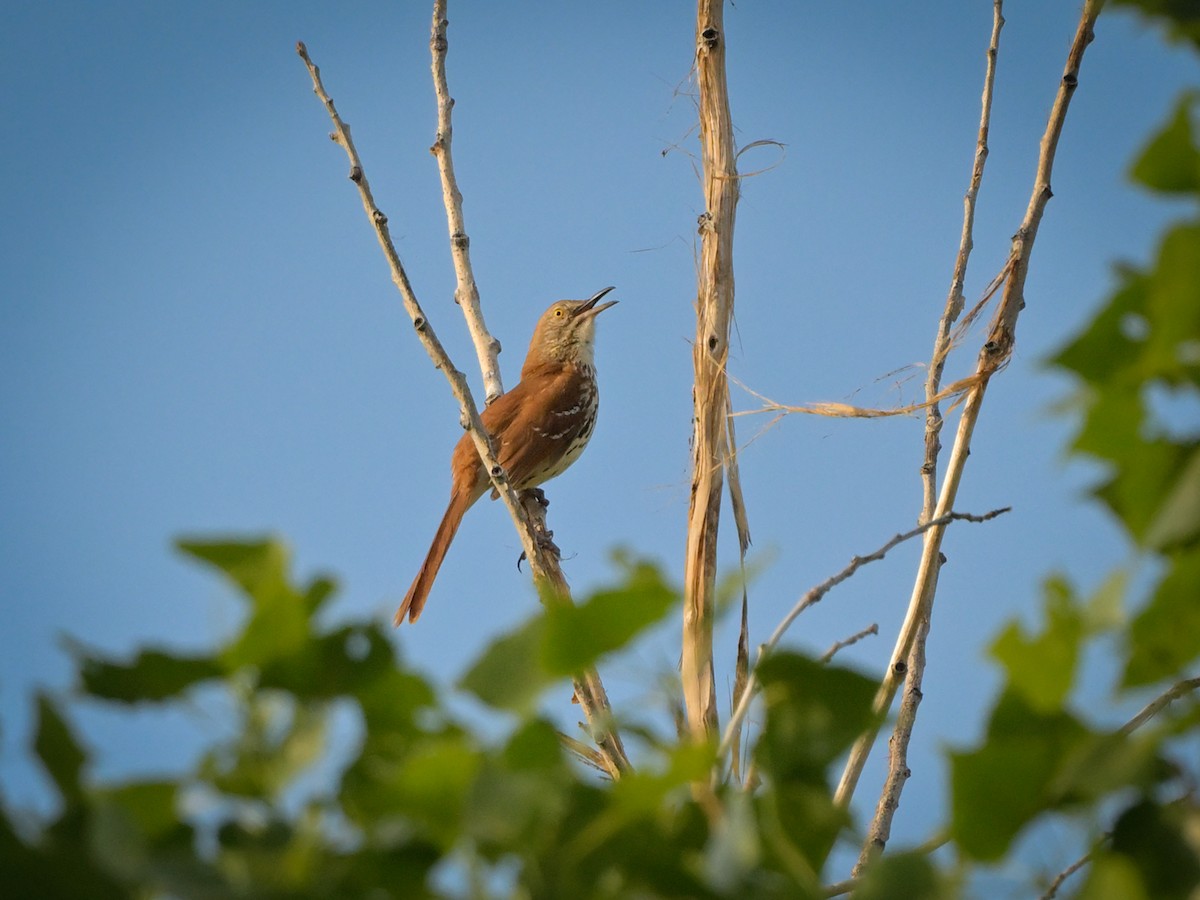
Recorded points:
(558, 312)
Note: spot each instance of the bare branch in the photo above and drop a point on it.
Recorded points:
(466, 294)
(838, 646)
(955, 300)
(710, 394)
(546, 573)
(1159, 703)
(814, 596)
(880, 828)
(1052, 890)
(993, 355)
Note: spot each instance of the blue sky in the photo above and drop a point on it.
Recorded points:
(199, 334)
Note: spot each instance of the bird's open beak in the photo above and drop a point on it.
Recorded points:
(590, 308)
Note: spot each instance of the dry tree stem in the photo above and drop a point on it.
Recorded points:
(880, 828)
(815, 595)
(466, 293)
(545, 567)
(710, 394)
(994, 354)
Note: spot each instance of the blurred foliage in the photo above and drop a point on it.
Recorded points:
(421, 805)
(424, 806)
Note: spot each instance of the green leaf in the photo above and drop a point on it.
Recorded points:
(1171, 162)
(332, 664)
(59, 751)
(1177, 520)
(800, 823)
(1145, 480)
(280, 740)
(1171, 309)
(563, 640)
(1042, 667)
(1181, 18)
(510, 674)
(153, 675)
(521, 794)
(1113, 878)
(1000, 787)
(254, 566)
(1109, 347)
(1103, 763)
(577, 636)
(903, 876)
(1163, 636)
(1154, 839)
(814, 712)
(433, 786)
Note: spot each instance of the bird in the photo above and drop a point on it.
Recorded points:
(537, 430)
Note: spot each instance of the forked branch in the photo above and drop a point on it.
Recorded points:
(994, 354)
(880, 829)
(544, 566)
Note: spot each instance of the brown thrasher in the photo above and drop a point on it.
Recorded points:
(537, 429)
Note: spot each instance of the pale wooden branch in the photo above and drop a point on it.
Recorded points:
(546, 573)
(814, 595)
(1159, 703)
(466, 293)
(880, 828)
(710, 393)
(955, 300)
(994, 354)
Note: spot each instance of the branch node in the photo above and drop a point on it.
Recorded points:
(710, 37)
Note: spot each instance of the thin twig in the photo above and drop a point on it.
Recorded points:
(1159, 703)
(710, 393)
(833, 410)
(880, 828)
(544, 566)
(466, 293)
(814, 596)
(838, 646)
(993, 355)
(1052, 889)
(955, 300)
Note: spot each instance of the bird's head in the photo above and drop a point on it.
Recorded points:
(566, 332)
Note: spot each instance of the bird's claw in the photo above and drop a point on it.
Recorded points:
(539, 495)
(545, 540)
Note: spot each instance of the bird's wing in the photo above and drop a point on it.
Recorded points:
(541, 431)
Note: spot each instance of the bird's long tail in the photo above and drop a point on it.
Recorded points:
(414, 601)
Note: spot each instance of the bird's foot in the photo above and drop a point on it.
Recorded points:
(545, 540)
(538, 495)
